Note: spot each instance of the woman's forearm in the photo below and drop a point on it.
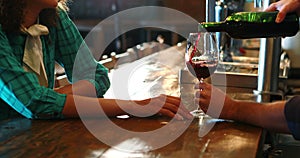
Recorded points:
(82, 87)
(90, 107)
(98, 107)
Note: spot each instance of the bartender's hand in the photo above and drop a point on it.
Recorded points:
(204, 97)
(284, 7)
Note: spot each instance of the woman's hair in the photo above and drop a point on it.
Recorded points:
(12, 14)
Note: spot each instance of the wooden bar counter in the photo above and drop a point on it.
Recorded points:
(72, 138)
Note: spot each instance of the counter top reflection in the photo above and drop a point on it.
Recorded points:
(70, 138)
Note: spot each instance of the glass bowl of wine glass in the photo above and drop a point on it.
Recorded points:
(201, 57)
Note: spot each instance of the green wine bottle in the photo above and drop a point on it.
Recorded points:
(242, 25)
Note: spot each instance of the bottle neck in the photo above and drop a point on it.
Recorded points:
(212, 27)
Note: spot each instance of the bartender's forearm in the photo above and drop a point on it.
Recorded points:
(268, 115)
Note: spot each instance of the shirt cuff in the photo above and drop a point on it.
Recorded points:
(53, 108)
(100, 89)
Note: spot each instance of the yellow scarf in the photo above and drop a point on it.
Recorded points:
(33, 54)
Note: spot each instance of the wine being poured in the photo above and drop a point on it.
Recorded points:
(201, 57)
(242, 25)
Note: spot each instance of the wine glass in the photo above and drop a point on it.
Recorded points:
(201, 58)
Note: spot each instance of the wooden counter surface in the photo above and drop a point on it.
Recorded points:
(151, 75)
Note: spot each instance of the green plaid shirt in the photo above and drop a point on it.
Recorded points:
(61, 46)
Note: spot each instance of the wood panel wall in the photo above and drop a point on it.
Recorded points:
(194, 8)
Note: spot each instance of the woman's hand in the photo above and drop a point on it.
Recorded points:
(208, 95)
(161, 105)
(284, 7)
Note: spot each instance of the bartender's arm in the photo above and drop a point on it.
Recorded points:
(280, 116)
(270, 115)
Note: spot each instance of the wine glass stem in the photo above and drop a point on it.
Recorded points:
(201, 81)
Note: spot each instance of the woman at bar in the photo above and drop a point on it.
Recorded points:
(34, 34)
(280, 116)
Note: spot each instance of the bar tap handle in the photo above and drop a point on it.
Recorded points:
(210, 13)
(269, 58)
(258, 3)
(262, 4)
(221, 12)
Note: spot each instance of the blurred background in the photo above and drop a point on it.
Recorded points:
(239, 56)
(88, 13)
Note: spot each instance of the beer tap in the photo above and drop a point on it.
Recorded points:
(268, 66)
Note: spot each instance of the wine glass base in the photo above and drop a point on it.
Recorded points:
(197, 113)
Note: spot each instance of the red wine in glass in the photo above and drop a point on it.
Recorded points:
(202, 68)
